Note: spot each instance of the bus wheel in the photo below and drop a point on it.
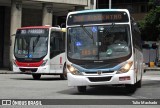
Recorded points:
(81, 89)
(64, 75)
(36, 76)
(139, 83)
(130, 88)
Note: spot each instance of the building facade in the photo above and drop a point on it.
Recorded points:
(19, 13)
(137, 8)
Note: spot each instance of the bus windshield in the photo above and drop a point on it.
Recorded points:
(31, 43)
(99, 42)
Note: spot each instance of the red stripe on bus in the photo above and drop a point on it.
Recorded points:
(29, 64)
(34, 27)
(60, 60)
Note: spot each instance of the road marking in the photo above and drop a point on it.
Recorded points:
(140, 97)
(151, 78)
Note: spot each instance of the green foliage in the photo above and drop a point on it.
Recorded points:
(150, 25)
(151, 3)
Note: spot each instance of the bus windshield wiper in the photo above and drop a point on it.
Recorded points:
(86, 31)
(33, 46)
(107, 32)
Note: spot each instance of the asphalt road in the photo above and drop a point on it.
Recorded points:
(21, 86)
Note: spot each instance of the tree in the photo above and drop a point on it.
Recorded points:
(150, 25)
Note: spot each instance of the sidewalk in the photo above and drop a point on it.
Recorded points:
(6, 71)
(152, 71)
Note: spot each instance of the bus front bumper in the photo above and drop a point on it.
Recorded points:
(110, 79)
(30, 70)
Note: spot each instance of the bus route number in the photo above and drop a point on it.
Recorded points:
(87, 52)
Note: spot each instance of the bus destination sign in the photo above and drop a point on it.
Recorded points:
(96, 18)
(35, 31)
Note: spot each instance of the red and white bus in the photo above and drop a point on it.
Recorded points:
(40, 50)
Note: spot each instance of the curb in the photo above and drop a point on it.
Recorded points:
(7, 72)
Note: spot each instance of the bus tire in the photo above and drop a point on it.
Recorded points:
(36, 76)
(64, 75)
(81, 89)
(139, 83)
(130, 88)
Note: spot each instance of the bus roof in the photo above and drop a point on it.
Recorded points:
(41, 27)
(98, 10)
(32, 27)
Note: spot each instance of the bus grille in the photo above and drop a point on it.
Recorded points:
(103, 72)
(98, 79)
(28, 69)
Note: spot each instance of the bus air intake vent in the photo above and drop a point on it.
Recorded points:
(28, 69)
(103, 72)
(98, 79)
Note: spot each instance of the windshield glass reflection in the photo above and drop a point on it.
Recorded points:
(31, 45)
(98, 42)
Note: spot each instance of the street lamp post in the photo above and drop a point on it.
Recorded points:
(110, 2)
(94, 6)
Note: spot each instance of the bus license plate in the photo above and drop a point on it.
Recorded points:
(28, 71)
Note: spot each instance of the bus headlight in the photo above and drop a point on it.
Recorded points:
(125, 68)
(73, 70)
(44, 62)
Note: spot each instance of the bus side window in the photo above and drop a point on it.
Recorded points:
(136, 37)
(56, 44)
(51, 42)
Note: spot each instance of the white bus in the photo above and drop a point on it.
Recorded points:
(40, 50)
(103, 48)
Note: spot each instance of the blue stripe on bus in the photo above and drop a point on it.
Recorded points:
(115, 68)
